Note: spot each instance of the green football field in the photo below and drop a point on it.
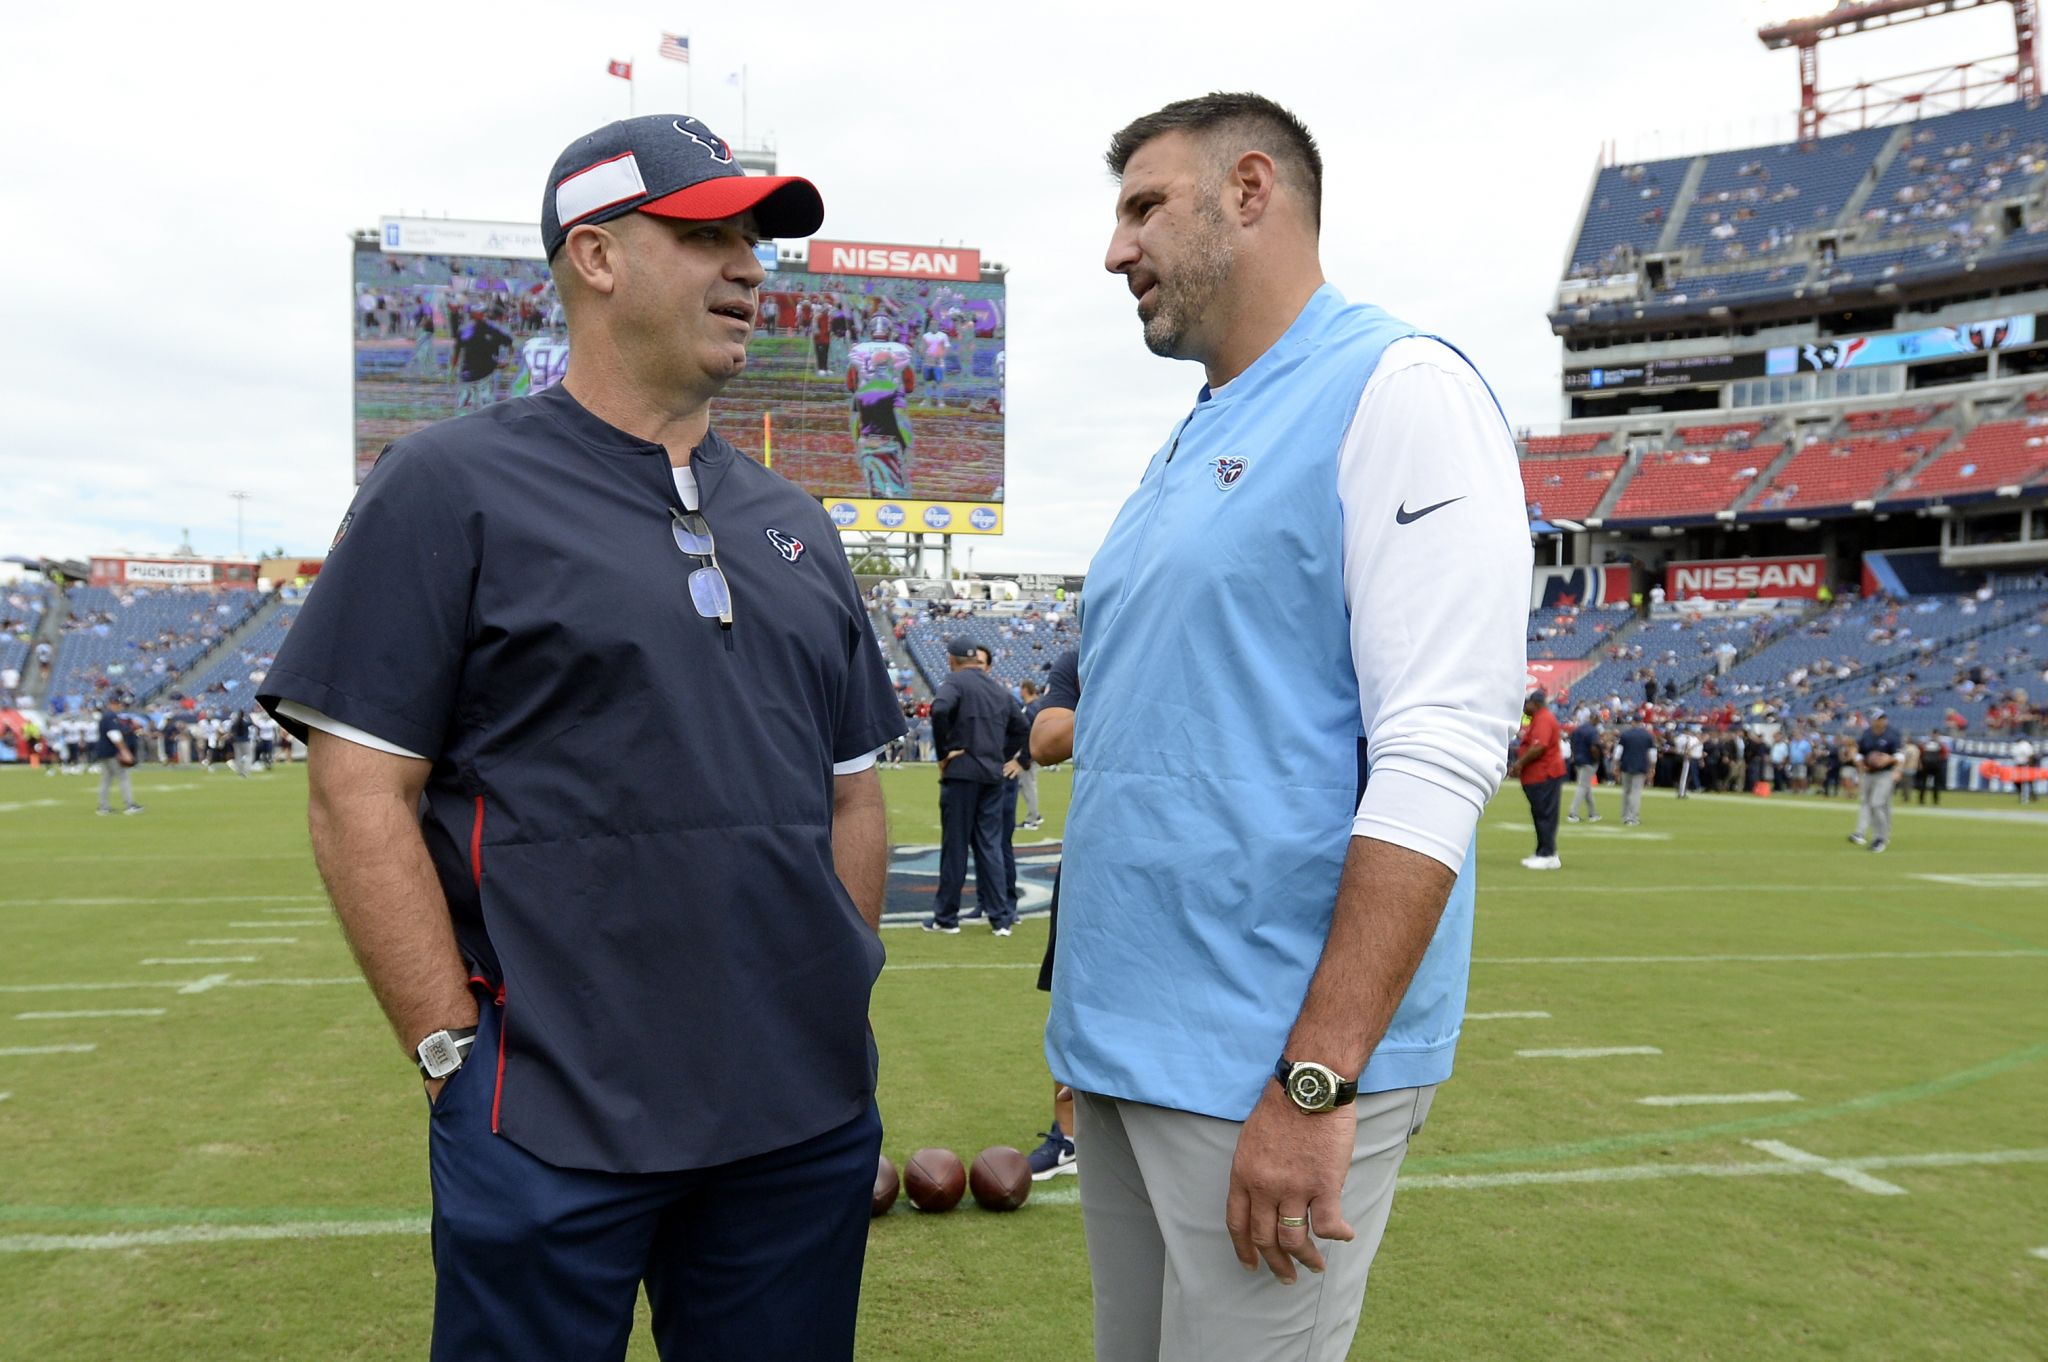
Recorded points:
(211, 1148)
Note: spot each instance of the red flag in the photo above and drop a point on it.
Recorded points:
(622, 69)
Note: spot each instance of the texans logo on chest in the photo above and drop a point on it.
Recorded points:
(789, 546)
(1228, 470)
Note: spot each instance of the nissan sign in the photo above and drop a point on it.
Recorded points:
(901, 262)
(1739, 578)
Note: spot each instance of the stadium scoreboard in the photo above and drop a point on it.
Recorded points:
(874, 380)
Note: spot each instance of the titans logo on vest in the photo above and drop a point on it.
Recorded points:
(1228, 470)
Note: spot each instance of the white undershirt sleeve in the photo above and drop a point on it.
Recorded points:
(1436, 577)
(313, 718)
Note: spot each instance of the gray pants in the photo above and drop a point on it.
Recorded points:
(1168, 1286)
(1584, 793)
(1027, 790)
(107, 770)
(1632, 796)
(1874, 816)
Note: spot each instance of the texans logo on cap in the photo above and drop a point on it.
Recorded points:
(704, 137)
(788, 546)
(1228, 471)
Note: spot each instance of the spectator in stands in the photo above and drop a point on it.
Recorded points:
(1539, 764)
(1877, 753)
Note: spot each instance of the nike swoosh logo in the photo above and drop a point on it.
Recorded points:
(1404, 516)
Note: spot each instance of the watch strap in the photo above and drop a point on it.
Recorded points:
(462, 1038)
(1347, 1089)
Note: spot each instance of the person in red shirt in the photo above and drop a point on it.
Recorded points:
(1539, 762)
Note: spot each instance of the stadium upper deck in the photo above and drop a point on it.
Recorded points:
(1761, 231)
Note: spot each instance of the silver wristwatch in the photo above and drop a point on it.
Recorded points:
(442, 1053)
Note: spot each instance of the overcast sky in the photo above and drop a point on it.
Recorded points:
(181, 182)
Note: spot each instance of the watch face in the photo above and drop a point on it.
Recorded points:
(438, 1054)
(1311, 1088)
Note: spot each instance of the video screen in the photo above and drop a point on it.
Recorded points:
(857, 388)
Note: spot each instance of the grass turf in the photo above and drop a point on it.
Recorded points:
(1547, 1214)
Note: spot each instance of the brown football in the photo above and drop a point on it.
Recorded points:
(887, 1185)
(934, 1180)
(1001, 1179)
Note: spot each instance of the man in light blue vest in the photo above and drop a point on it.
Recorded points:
(1303, 659)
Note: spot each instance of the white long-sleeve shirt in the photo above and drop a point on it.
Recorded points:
(1438, 610)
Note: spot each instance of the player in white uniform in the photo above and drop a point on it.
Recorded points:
(881, 378)
(934, 344)
(543, 360)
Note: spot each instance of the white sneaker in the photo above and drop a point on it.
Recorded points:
(1532, 862)
(1551, 863)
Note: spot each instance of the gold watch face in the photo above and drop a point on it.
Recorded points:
(1312, 1087)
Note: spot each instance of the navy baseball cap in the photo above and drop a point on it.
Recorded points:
(671, 167)
(962, 647)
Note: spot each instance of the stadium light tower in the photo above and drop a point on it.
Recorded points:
(1964, 85)
(241, 498)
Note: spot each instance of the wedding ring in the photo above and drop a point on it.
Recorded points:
(1294, 1222)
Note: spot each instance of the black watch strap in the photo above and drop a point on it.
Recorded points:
(1347, 1089)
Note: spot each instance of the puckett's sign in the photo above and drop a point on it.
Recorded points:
(902, 262)
(1734, 579)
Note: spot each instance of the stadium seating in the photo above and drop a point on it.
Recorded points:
(1950, 165)
(1843, 472)
(228, 682)
(1688, 484)
(1995, 455)
(1736, 433)
(1623, 197)
(1545, 445)
(21, 614)
(139, 640)
(1571, 631)
(1750, 203)
(1023, 648)
(1567, 488)
(1679, 652)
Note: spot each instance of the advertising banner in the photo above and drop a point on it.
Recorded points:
(1731, 579)
(446, 236)
(904, 517)
(1904, 347)
(1552, 587)
(899, 262)
(167, 574)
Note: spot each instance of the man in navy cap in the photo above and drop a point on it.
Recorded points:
(637, 994)
(979, 732)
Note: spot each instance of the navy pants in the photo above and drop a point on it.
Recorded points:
(1543, 801)
(756, 1258)
(971, 817)
(1011, 789)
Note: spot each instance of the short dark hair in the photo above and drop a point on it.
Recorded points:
(1287, 139)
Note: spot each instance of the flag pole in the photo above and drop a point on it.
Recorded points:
(690, 87)
(743, 105)
(632, 103)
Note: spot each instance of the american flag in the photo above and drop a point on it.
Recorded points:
(675, 46)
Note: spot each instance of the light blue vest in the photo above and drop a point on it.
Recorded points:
(1219, 752)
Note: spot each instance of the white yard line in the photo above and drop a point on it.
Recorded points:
(1829, 1168)
(150, 903)
(264, 926)
(2038, 1253)
(1588, 1052)
(210, 1234)
(91, 1012)
(242, 940)
(202, 960)
(1507, 1016)
(1754, 959)
(13, 1051)
(1989, 880)
(1070, 1195)
(1649, 1172)
(205, 983)
(1719, 1099)
(293, 983)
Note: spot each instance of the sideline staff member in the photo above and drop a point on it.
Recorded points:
(1242, 911)
(671, 1077)
(978, 731)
